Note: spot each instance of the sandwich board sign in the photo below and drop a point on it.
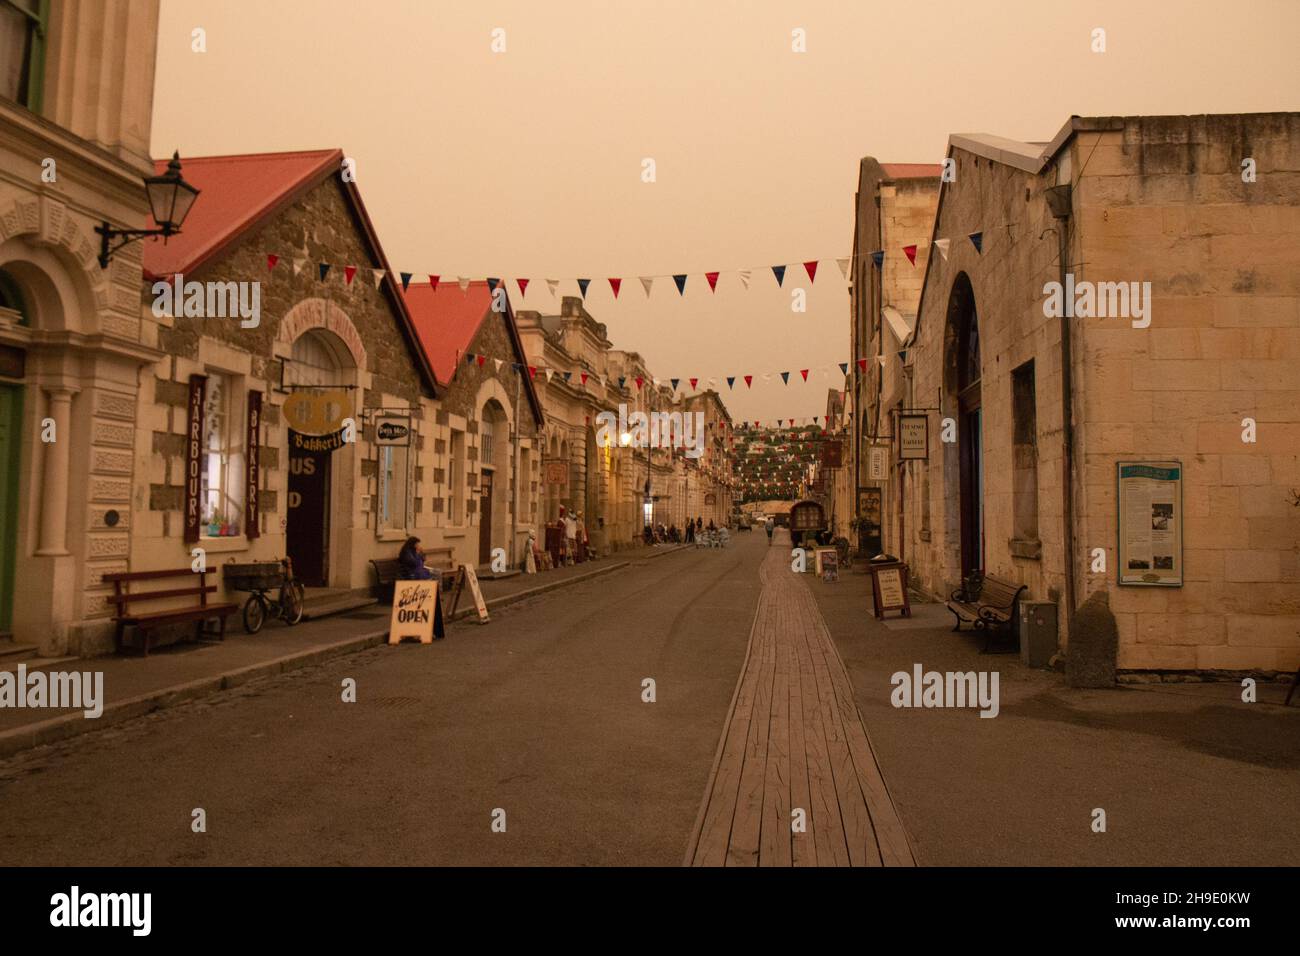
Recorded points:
(415, 605)
(467, 574)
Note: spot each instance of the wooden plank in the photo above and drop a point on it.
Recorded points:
(823, 811)
(742, 848)
(894, 847)
(803, 845)
(724, 786)
(774, 837)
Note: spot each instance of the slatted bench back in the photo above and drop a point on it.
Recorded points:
(997, 593)
(147, 591)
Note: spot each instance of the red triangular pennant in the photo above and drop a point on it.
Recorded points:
(862, 364)
(910, 252)
(523, 285)
(811, 266)
(713, 280)
(804, 373)
(639, 381)
(749, 381)
(433, 283)
(615, 284)
(532, 371)
(271, 261)
(693, 381)
(348, 273)
(584, 378)
(480, 359)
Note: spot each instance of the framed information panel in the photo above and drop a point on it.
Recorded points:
(889, 588)
(1150, 519)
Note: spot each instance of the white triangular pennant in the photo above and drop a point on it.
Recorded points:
(550, 373)
(463, 282)
(647, 282)
(298, 264)
(942, 246)
(844, 266)
(744, 277)
(378, 275)
(499, 364)
(552, 284)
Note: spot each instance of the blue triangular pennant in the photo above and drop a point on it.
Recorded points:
(582, 286)
(492, 283)
(785, 377)
(568, 376)
(731, 380)
(621, 380)
(324, 270)
(516, 366)
(844, 368)
(977, 240)
(779, 272)
(681, 284)
(878, 258)
(674, 381)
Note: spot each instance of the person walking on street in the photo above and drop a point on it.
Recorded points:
(571, 537)
(768, 525)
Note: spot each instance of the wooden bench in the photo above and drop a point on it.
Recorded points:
(388, 570)
(987, 603)
(123, 598)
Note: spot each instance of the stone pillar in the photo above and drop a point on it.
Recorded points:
(57, 457)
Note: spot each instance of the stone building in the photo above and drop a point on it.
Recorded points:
(1174, 240)
(482, 463)
(75, 109)
(580, 376)
(707, 483)
(285, 404)
(893, 209)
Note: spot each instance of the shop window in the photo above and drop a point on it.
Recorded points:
(222, 485)
(392, 492)
(22, 50)
(1024, 454)
(456, 479)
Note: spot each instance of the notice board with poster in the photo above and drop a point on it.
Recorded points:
(889, 588)
(828, 564)
(1150, 513)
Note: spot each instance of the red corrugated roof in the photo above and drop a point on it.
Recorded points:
(911, 170)
(447, 320)
(235, 192)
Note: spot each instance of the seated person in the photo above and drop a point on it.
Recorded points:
(411, 561)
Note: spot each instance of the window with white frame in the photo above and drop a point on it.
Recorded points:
(456, 479)
(222, 478)
(392, 492)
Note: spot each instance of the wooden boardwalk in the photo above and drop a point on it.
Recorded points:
(794, 740)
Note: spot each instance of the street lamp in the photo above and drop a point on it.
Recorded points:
(170, 199)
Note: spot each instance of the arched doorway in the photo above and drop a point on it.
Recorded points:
(14, 308)
(317, 362)
(963, 374)
(494, 462)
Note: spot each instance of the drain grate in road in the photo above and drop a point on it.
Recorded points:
(392, 702)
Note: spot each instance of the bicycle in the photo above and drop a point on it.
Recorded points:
(260, 579)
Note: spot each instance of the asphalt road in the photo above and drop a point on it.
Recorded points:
(538, 713)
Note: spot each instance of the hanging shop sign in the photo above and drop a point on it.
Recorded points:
(317, 411)
(252, 526)
(877, 463)
(710, 498)
(1150, 497)
(392, 430)
(557, 472)
(913, 437)
(833, 454)
(194, 457)
(302, 445)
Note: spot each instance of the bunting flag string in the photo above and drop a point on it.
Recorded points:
(647, 281)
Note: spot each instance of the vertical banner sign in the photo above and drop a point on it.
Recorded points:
(877, 463)
(252, 522)
(194, 457)
(1151, 523)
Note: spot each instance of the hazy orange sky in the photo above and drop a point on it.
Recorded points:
(528, 162)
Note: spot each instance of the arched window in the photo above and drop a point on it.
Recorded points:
(11, 297)
(968, 356)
